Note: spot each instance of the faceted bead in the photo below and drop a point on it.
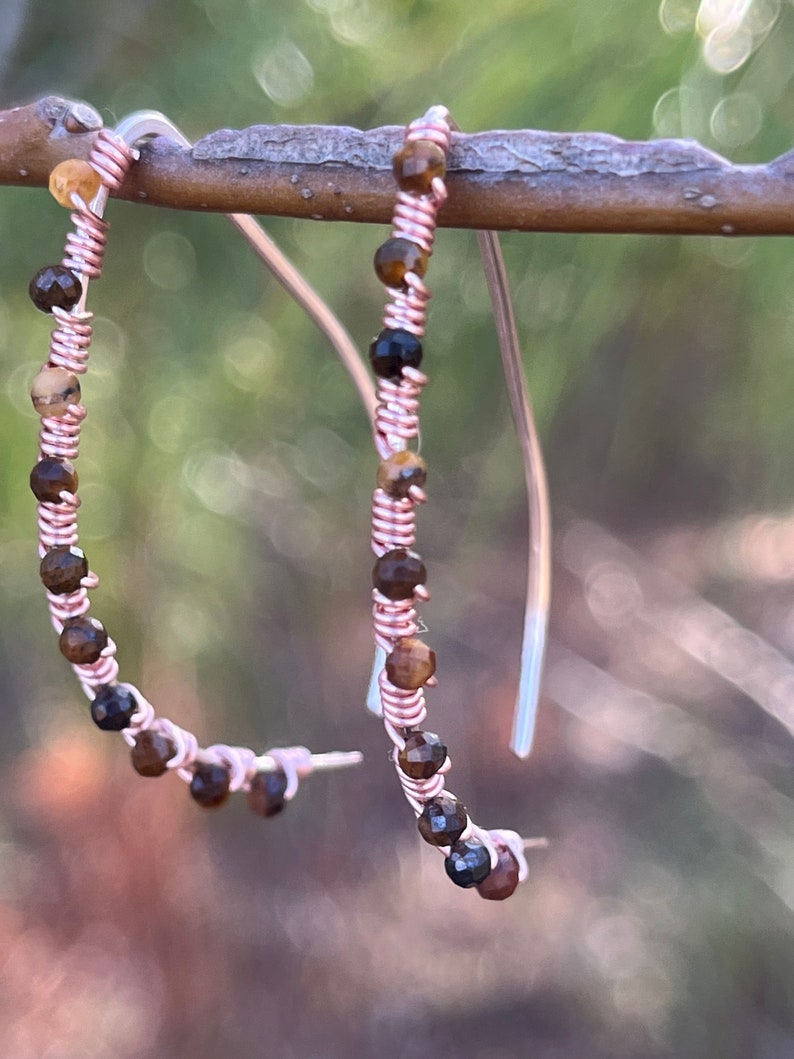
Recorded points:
(210, 785)
(63, 568)
(398, 472)
(443, 820)
(152, 752)
(266, 795)
(392, 350)
(113, 707)
(55, 286)
(74, 176)
(417, 164)
(468, 863)
(52, 476)
(503, 879)
(53, 390)
(397, 573)
(395, 258)
(422, 756)
(83, 640)
(411, 664)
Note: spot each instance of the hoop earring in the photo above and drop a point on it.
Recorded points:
(492, 861)
(157, 744)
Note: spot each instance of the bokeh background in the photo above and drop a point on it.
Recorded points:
(225, 474)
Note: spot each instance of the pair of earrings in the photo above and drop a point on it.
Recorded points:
(493, 861)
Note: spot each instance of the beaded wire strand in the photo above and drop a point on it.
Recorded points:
(157, 744)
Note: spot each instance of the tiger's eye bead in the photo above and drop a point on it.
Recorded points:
(74, 176)
(210, 785)
(443, 820)
(113, 708)
(417, 164)
(266, 794)
(397, 257)
(63, 568)
(503, 879)
(52, 476)
(83, 640)
(411, 664)
(152, 752)
(468, 863)
(55, 286)
(398, 472)
(53, 390)
(392, 350)
(397, 573)
(422, 756)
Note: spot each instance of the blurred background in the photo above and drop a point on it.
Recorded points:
(226, 472)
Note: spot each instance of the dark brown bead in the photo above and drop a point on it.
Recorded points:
(83, 640)
(411, 664)
(397, 573)
(53, 390)
(400, 471)
(210, 785)
(113, 707)
(392, 350)
(422, 756)
(417, 164)
(55, 286)
(503, 879)
(468, 863)
(395, 258)
(443, 820)
(152, 752)
(52, 476)
(266, 793)
(63, 568)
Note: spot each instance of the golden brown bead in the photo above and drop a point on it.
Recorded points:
(74, 177)
(52, 476)
(411, 664)
(417, 165)
(395, 258)
(53, 390)
(400, 471)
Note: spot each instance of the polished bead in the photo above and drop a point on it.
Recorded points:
(53, 390)
(417, 164)
(63, 568)
(398, 472)
(503, 879)
(151, 752)
(397, 573)
(266, 793)
(52, 476)
(210, 785)
(395, 258)
(422, 756)
(443, 820)
(83, 640)
(113, 707)
(55, 286)
(392, 350)
(468, 863)
(74, 177)
(411, 664)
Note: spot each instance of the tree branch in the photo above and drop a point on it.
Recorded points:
(505, 180)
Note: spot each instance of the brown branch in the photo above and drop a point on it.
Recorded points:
(523, 180)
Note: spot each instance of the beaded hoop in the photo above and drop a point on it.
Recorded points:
(157, 744)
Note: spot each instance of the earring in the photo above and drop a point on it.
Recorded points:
(157, 744)
(492, 861)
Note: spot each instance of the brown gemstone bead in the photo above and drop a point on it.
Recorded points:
(503, 879)
(468, 863)
(63, 568)
(395, 258)
(411, 664)
(151, 753)
(417, 164)
(83, 640)
(266, 793)
(55, 286)
(53, 390)
(397, 573)
(398, 472)
(422, 756)
(443, 820)
(74, 176)
(52, 476)
(210, 785)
